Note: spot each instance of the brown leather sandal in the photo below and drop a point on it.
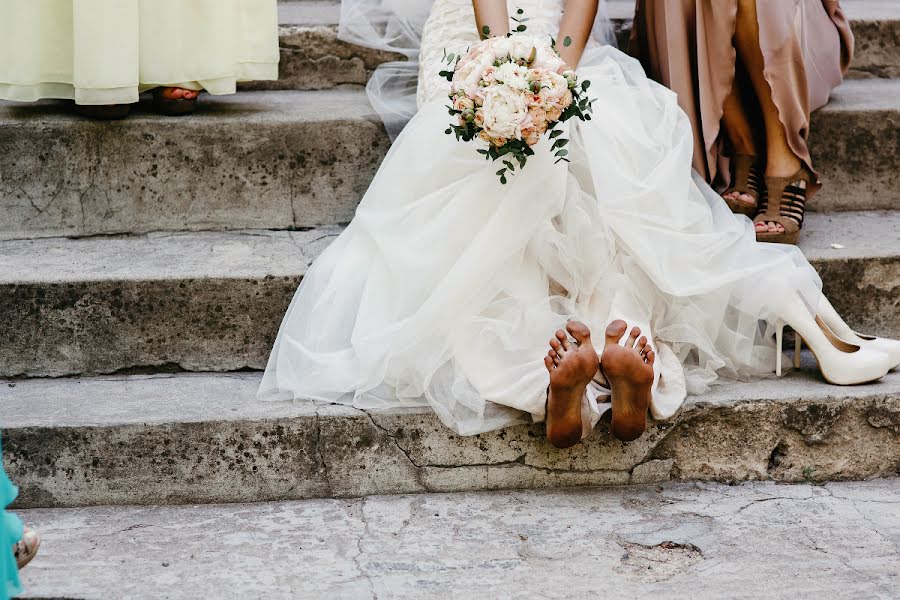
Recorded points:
(791, 193)
(26, 548)
(172, 107)
(745, 181)
(103, 112)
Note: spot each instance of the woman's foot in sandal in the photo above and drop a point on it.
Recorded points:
(743, 195)
(174, 101)
(783, 207)
(26, 548)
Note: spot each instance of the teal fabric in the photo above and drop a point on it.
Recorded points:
(10, 533)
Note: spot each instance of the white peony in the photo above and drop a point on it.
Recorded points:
(547, 58)
(513, 76)
(504, 111)
(521, 47)
(499, 46)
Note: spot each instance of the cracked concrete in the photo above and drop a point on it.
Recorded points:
(187, 438)
(757, 540)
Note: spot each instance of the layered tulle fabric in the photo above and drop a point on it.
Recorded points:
(10, 533)
(107, 51)
(445, 288)
(687, 45)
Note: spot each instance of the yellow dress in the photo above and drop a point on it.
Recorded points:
(107, 51)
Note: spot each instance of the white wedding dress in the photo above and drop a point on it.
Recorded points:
(447, 286)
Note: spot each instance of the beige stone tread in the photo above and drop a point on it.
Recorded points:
(703, 541)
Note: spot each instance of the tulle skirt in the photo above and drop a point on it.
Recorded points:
(107, 51)
(447, 286)
(10, 533)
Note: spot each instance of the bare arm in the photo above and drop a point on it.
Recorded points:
(491, 17)
(577, 21)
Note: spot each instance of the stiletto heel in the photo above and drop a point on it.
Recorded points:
(840, 362)
(840, 327)
(779, 340)
(798, 346)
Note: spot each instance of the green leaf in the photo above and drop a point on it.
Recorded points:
(509, 165)
(566, 42)
(520, 28)
(448, 131)
(503, 179)
(556, 134)
(501, 171)
(585, 85)
(562, 153)
(519, 11)
(485, 30)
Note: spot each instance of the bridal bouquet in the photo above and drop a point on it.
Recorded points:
(509, 92)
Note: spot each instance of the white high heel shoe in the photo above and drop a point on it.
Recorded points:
(834, 321)
(840, 362)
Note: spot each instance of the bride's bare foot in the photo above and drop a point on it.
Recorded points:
(629, 369)
(571, 367)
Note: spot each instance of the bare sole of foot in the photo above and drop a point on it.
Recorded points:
(629, 369)
(571, 366)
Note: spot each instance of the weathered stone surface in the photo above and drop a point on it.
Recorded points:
(207, 301)
(184, 438)
(760, 540)
(200, 301)
(855, 146)
(313, 58)
(272, 160)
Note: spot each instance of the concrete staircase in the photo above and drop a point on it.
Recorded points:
(145, 266)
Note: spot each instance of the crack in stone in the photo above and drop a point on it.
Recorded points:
(360, 551)
(321, 455)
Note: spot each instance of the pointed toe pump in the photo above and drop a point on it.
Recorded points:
(834, 321)
(840, 362)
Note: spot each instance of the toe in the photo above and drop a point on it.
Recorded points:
(563, 338)
(641, 344)
(650, 357)
(633, 337)
(548, 362)
(579, 331)
(556, 345)
(615, 331)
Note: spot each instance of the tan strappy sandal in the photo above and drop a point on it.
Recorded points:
(745, 181)
(26, 548)
(790, 193)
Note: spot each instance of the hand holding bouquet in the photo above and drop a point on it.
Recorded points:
(509, 91)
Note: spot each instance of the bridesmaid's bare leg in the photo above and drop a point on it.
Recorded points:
(780, 159)
(736, 122)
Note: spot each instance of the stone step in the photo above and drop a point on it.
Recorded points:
(778, 542)
(313, 58)
(212, 301)
(288, 160)
(267, 160)
(204, 438)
